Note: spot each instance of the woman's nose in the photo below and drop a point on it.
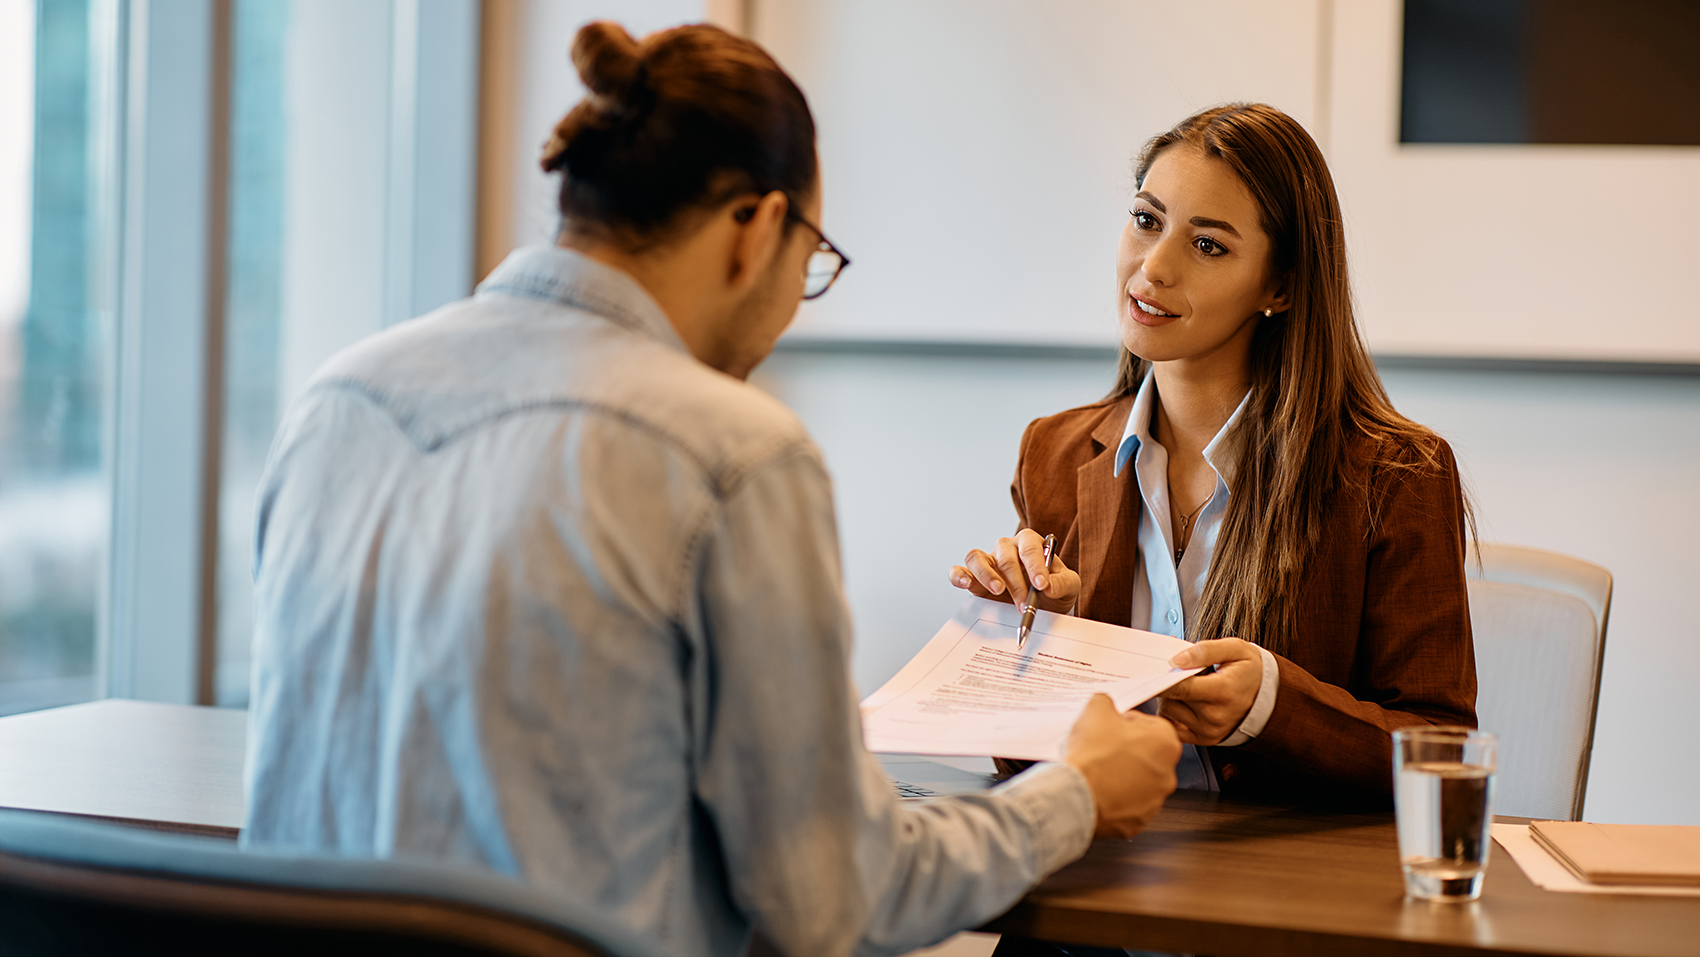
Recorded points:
(1159, 265)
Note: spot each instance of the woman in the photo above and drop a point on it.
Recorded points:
(1248, 477)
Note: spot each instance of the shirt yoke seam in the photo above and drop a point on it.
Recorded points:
(723, 481)
(566, 296)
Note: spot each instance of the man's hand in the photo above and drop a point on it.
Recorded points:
(1129, 762)
(1004, 573)
(1208, 708)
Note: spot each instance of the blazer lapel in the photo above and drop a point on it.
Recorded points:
(1109, 520)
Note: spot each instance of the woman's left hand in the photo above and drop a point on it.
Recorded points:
(1208, 708)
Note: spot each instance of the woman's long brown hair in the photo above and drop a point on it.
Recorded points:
(1314, 387)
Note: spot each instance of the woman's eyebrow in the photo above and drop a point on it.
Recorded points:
(1204, 221)
(1209, 223)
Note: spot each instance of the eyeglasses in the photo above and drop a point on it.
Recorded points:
(825, 263)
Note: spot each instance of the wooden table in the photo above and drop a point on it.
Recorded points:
(164, 766)
(1208, 876)
(1217, 877)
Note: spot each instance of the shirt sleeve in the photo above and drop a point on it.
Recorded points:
(1258, 716)
(819, 852)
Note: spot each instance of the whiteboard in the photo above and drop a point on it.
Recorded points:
(977, 157)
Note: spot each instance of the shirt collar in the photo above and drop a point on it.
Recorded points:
(569, 278)
(1223, 452)
(1138, 430)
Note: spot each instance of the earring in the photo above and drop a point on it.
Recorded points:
(1268, 312)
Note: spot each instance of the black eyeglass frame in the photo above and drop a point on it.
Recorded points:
(824, 246)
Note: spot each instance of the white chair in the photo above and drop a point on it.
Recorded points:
(1539, 620)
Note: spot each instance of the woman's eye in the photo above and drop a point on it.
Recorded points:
(1144, 220)
(1209, 247)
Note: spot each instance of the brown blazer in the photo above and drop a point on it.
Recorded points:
(1387, 640)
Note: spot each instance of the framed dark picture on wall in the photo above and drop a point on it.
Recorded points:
(1579, 72)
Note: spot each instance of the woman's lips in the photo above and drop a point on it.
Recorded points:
(1148, 312)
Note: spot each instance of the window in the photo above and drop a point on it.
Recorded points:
(199, 203)
(56, 186)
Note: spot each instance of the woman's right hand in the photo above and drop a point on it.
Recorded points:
(1003, 573)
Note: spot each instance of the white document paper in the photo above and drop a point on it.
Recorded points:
(1544, 871)
(971, 692)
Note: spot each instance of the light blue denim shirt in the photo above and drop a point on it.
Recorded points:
(1165, 591)
(538, 591)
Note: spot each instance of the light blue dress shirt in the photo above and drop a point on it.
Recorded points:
(537, 591)
(1165, 592)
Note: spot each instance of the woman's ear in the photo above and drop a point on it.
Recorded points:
(1282, 300)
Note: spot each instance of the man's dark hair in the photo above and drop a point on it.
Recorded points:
(687, 118)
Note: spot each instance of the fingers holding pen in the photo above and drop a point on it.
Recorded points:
(1030, 552)
(1058, 586)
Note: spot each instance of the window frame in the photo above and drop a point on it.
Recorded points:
(158, 623)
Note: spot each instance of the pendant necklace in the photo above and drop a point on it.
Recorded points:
(1183, 538)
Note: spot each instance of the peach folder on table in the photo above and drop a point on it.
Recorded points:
(1646, 854)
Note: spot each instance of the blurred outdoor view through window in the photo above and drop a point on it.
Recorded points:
(58, 180)
(56, 99)
(310, 100)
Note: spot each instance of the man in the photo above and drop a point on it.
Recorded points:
(543, 585)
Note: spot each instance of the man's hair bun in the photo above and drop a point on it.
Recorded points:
(607, 60)
(687, 117)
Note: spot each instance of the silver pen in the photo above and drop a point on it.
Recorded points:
(1032, 598)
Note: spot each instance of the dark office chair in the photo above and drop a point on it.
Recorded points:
(70, 886)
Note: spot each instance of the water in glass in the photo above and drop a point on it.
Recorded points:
(1443, 794)
(1443, 828)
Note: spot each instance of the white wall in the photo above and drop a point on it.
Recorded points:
(1539, 251)
(1601, 467)
(977, 153)
(976, 156)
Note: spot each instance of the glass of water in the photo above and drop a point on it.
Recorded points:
(1443, 798)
